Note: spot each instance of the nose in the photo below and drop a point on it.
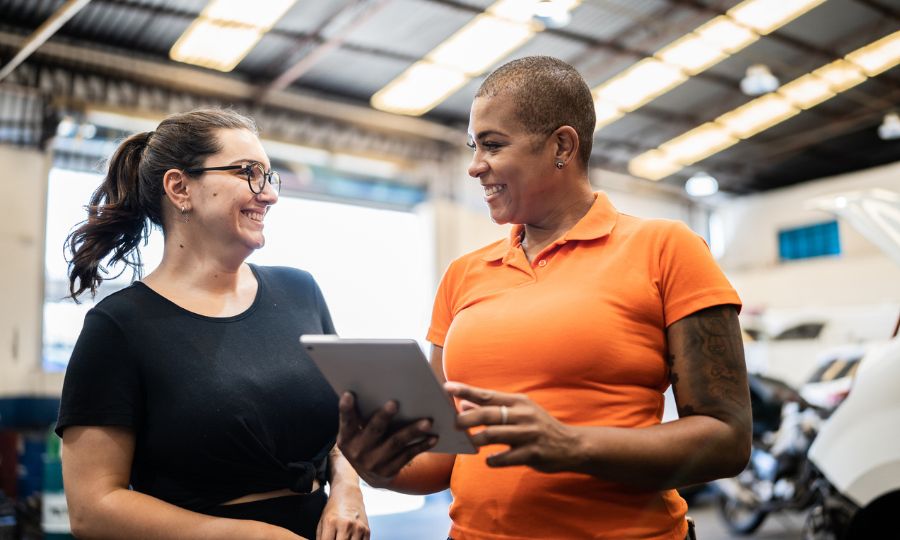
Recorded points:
(477, 167)
(268, 195)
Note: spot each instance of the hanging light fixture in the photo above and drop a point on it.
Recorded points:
(890, 127)
(552, 13)
(758, 81)
(701, 185)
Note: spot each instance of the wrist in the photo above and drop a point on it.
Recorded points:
(580, 449)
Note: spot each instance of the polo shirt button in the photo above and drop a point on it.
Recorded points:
(543, 262)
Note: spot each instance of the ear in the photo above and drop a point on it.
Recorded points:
(565, 140)
(177, 187)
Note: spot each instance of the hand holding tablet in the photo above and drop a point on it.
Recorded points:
(377, 371)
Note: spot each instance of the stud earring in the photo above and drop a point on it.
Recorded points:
(560, 164)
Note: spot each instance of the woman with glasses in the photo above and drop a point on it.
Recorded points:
(560, 340)
(189, 410)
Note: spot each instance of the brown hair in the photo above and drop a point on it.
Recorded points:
(132, 191)
(548, 94)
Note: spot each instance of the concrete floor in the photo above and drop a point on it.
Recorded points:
(780, 526)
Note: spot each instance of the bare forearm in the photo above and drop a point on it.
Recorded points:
(344, 480)
(427, 473)
(123, 513)
(680, 453)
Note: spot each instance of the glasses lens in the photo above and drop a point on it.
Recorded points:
(256, 177)
(275, 180)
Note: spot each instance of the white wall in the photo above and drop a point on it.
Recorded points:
(749, 227)
(22, 217)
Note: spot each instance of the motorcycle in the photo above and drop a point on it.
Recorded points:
(778, 476)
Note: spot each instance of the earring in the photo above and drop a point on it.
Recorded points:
(182, 209)
(560, 164)
(184, 216)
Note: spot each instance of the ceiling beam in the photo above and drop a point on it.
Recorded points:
(881, 8)
(188, 79)
(361, 13)
(600, 45)
(43, 33)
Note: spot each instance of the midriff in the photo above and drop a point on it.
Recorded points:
(253, 497)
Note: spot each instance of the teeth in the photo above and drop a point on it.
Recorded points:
(495, 188)
(255, 216)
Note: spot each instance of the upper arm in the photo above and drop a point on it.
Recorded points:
(96, 461)
(706, 368)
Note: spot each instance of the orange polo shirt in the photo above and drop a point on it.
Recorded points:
(581, 331)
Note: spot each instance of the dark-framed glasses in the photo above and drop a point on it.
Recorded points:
(256, 175)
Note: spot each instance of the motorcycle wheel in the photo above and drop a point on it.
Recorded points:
(741, 518)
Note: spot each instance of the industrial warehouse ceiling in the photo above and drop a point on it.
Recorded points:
(331, 57)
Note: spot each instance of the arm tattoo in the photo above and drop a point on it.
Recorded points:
(706, 364)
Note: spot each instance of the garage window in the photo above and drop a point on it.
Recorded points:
(817, 240)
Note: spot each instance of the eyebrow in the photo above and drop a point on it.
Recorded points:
(489, 132)
(245, 160)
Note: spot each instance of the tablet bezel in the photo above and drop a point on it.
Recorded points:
(369, 369)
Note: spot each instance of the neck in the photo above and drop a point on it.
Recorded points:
(562, 216)
(197, 266)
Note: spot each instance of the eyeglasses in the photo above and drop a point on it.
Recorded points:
(257, 176)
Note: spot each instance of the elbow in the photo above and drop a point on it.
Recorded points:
(80, 519)
(78, 524)
(738, 453)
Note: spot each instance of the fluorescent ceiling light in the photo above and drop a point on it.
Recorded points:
(840, 75)
(727, 35)
(226, 31)
(652, 165)
(706, 46)
(640, 83)
(691, 53)
(606, 112)
(698, 144)
(418, 89)
(520, 11)
(765, 16)
(480, 44)
(762, 113)
(505, 26)
(523, 11)
(878, 57)
(758, 115)
(214, 45)
(807, 91)
(258, 13)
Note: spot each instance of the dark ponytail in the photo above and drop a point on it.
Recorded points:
(132, 192)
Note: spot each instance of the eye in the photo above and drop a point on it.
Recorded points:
(471, 144)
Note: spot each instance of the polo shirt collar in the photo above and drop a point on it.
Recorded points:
(597, 223)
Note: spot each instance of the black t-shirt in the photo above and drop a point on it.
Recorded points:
(221, 407)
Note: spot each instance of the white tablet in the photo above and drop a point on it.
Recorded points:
(379, 370)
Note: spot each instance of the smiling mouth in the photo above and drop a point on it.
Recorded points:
(254, 216)
(493, 189)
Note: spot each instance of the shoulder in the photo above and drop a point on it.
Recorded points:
(124, 304)
(655, 230)
(283, 279)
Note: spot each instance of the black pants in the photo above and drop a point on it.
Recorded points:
(297, 513)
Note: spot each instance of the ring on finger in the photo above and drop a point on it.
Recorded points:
(504, 414)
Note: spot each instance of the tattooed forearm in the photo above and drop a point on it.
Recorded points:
(706, 363)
